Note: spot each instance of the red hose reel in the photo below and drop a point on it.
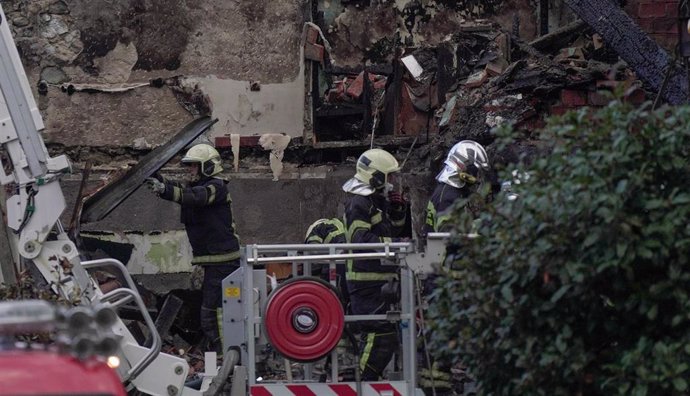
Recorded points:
(304, 319)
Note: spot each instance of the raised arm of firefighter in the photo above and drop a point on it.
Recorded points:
(370, 218)
(206, 211)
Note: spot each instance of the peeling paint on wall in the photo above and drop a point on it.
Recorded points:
(152, 253)
(235, 143)
(242, 110)
(230, 43)
(276, 143)
(164, 255)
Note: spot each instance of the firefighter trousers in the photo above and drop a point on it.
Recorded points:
(379, 341)
(212, 303)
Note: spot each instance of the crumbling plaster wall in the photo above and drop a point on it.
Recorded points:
(363, 32)
(213, 43)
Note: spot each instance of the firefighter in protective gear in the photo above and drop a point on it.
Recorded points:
(207, 216)
(466, 164)
(325, 231)
(373, 214)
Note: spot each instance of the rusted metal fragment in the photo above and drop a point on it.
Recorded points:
(644, 55)
(99, 205)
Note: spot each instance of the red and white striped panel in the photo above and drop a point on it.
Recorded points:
(395, 388)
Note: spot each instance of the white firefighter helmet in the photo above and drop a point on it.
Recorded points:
(464, 162)
(373, 168)
(206, 156)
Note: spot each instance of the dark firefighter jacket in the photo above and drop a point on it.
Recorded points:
(439, 206)
(207, 217)
(371, 219)
(330, 231)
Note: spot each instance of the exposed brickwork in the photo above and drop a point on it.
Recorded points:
(573, 98)
(652, 10)
(659, 18)
(595, 98)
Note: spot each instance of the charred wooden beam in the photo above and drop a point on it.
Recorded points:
(543, 17)
(556, 38)
(367, 120)
(649, 60)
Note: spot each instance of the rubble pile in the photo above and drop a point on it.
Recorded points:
(476, 79)
(501, 79)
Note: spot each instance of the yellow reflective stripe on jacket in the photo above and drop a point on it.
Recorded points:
(314, 239)
(368, 276)
(367, 351)
(377, 218)
(431, 215)
(219, 320)
(216, 258)
(211, 193)
(438, 384)
(332, 235)
(355, 226)
(435, 377)
(177, 194)
(441, 221)
(435, 374)
(337, 223)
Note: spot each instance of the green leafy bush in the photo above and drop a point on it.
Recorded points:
(581, 286)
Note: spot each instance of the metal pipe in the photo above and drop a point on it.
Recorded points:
(438, 235)
(131, 292)
(358, 318)
(422, 326)
(155, 350)
(319, 257)
(345, 246)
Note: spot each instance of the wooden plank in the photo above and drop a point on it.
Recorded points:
(642, 53)
(166, 317)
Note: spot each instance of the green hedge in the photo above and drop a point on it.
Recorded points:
(581, 285)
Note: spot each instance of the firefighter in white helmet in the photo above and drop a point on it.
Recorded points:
(374, 213)
(464, 168)
(207, 217)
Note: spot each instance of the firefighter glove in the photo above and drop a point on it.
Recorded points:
(155, 185)
(397, 200)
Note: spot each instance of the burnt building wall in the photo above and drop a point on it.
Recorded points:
(366, 32)
(108, 47)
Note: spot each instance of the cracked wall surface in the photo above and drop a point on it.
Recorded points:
(207, 56)
(223, 44)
